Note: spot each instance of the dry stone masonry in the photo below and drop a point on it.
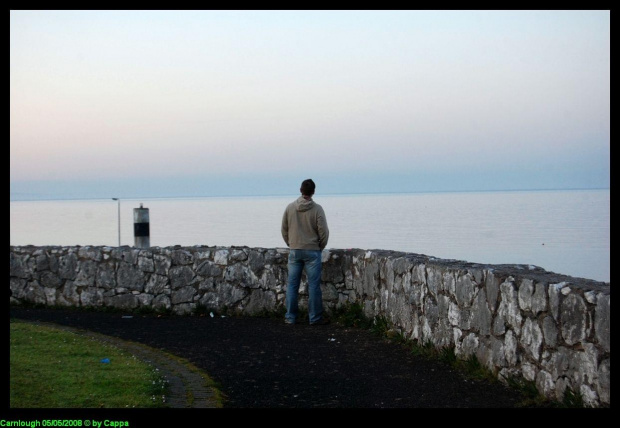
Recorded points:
(519, 321)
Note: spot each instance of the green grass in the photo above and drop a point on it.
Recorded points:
(54, 368)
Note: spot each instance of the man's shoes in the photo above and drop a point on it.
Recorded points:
(322, 321)
(289, 322)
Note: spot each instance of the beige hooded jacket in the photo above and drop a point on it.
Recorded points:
(304, 226)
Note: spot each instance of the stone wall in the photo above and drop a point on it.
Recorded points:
(518, 320)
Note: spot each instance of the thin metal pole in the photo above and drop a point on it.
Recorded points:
(119, 222)
(119, 219)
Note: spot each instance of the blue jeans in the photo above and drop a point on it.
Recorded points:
(310, 261)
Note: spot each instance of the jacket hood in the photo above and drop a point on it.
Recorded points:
(303, 204)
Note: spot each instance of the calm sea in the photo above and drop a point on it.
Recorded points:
(566, 232)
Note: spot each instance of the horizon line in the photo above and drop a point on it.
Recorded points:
(11, 199)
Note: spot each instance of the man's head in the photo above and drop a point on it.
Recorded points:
(307, 187)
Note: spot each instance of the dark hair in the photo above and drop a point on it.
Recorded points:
(307, 187)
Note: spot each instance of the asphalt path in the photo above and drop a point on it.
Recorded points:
(264, 363)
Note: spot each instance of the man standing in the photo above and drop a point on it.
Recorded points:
(304, 229)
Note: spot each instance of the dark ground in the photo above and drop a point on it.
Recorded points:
(263, 363)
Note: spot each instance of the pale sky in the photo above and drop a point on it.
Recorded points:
(176, 103)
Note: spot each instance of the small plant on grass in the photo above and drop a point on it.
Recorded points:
(352, 315)
(447, 354)
(201, 310)
(426, 349)
(475, 370)
(380, 326)
(397, 336)
(531, 396)
(572, 399)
